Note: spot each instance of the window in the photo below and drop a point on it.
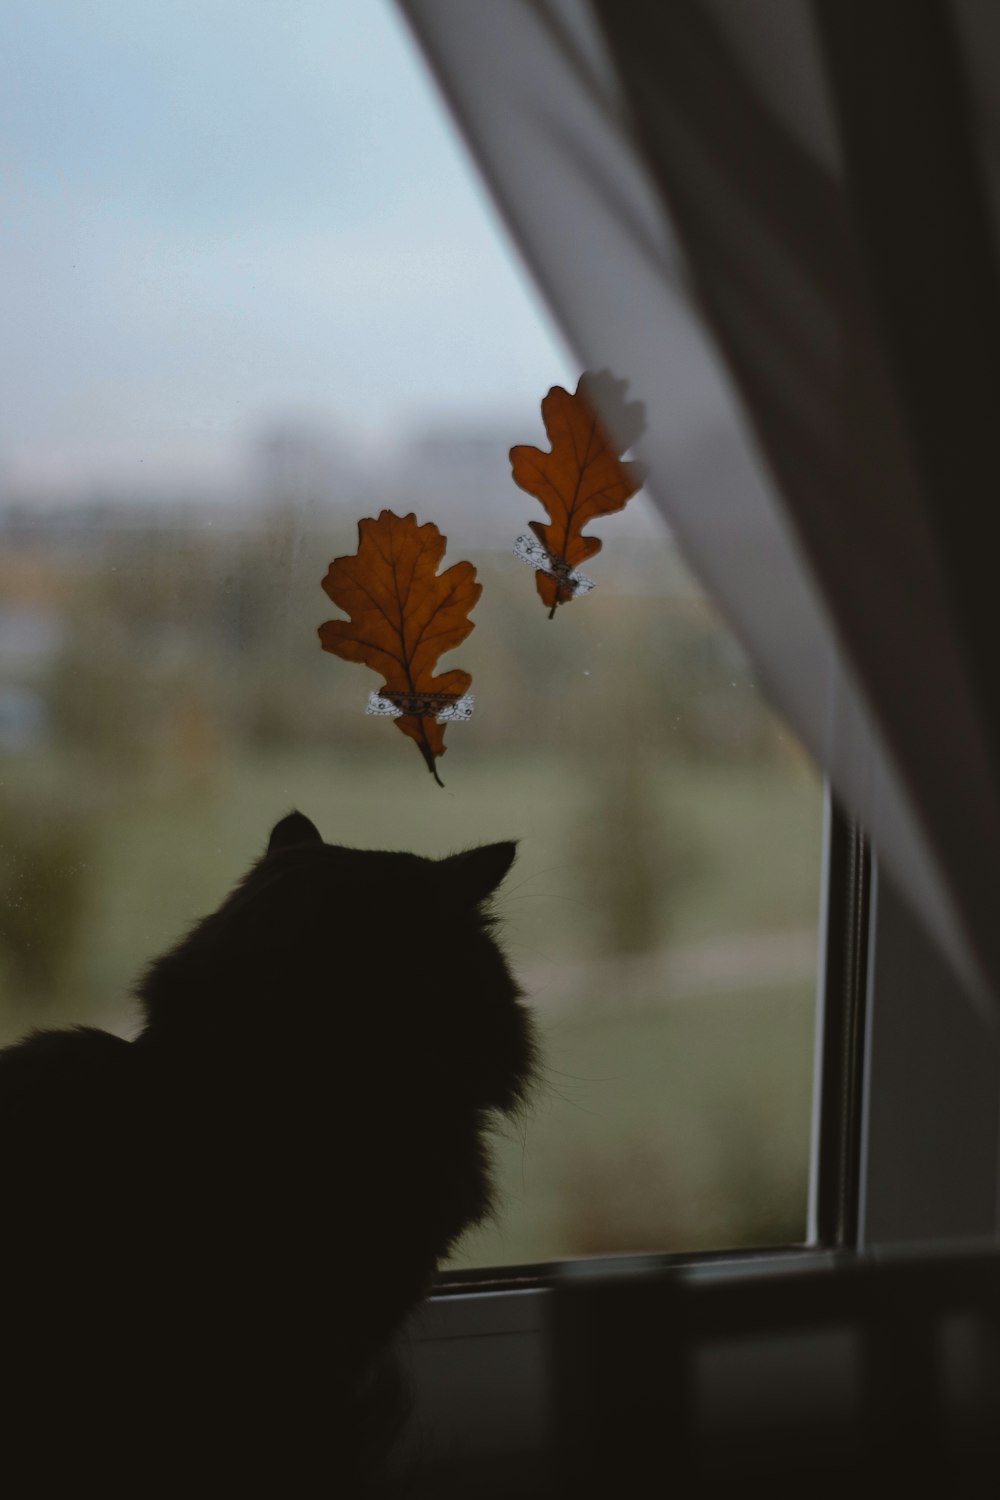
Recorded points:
(254, 295)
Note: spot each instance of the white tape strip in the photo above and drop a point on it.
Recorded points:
(446, 708)
(531, 551)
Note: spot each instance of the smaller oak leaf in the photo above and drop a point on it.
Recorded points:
(402, 616)
(580, 478)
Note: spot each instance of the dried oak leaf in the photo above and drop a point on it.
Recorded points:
(580, 478)
(402, 616)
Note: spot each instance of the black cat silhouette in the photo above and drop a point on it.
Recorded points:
(212, 1233)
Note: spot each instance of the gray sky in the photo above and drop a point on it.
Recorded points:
(218, 213)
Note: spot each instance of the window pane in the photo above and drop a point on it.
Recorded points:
(253, 294)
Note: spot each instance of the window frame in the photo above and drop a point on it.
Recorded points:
(872, 1150)
(930, 1132)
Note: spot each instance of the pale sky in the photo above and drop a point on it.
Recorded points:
(219, 213)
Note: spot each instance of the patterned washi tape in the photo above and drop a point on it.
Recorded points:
(446, 708)
(536, 556)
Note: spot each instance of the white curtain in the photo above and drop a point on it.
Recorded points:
(770, 217)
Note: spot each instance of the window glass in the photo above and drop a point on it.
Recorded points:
(252, 293)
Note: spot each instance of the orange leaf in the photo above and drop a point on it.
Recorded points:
(582, 477)
(403, 615)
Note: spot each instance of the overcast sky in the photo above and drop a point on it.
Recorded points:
(218, 213)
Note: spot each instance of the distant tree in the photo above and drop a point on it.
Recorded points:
(637, 855)
(44, 901)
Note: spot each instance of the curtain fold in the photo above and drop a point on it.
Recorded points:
(736, 208)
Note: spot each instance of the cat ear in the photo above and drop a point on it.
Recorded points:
(293, 830)
(476, 873)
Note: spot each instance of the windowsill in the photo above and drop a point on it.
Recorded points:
(478, 1355)
(778, 1350)
(500, 1280)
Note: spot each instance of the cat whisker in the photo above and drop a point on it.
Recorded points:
(535, 875)
(549, 1088)
(583, 1077)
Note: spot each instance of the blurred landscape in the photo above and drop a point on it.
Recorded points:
(163, 700)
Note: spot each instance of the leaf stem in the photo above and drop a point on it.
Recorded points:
(428, 755)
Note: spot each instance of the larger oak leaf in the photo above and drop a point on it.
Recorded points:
(402, 616)
(582, 477)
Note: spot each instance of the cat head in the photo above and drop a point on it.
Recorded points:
(377, 961)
